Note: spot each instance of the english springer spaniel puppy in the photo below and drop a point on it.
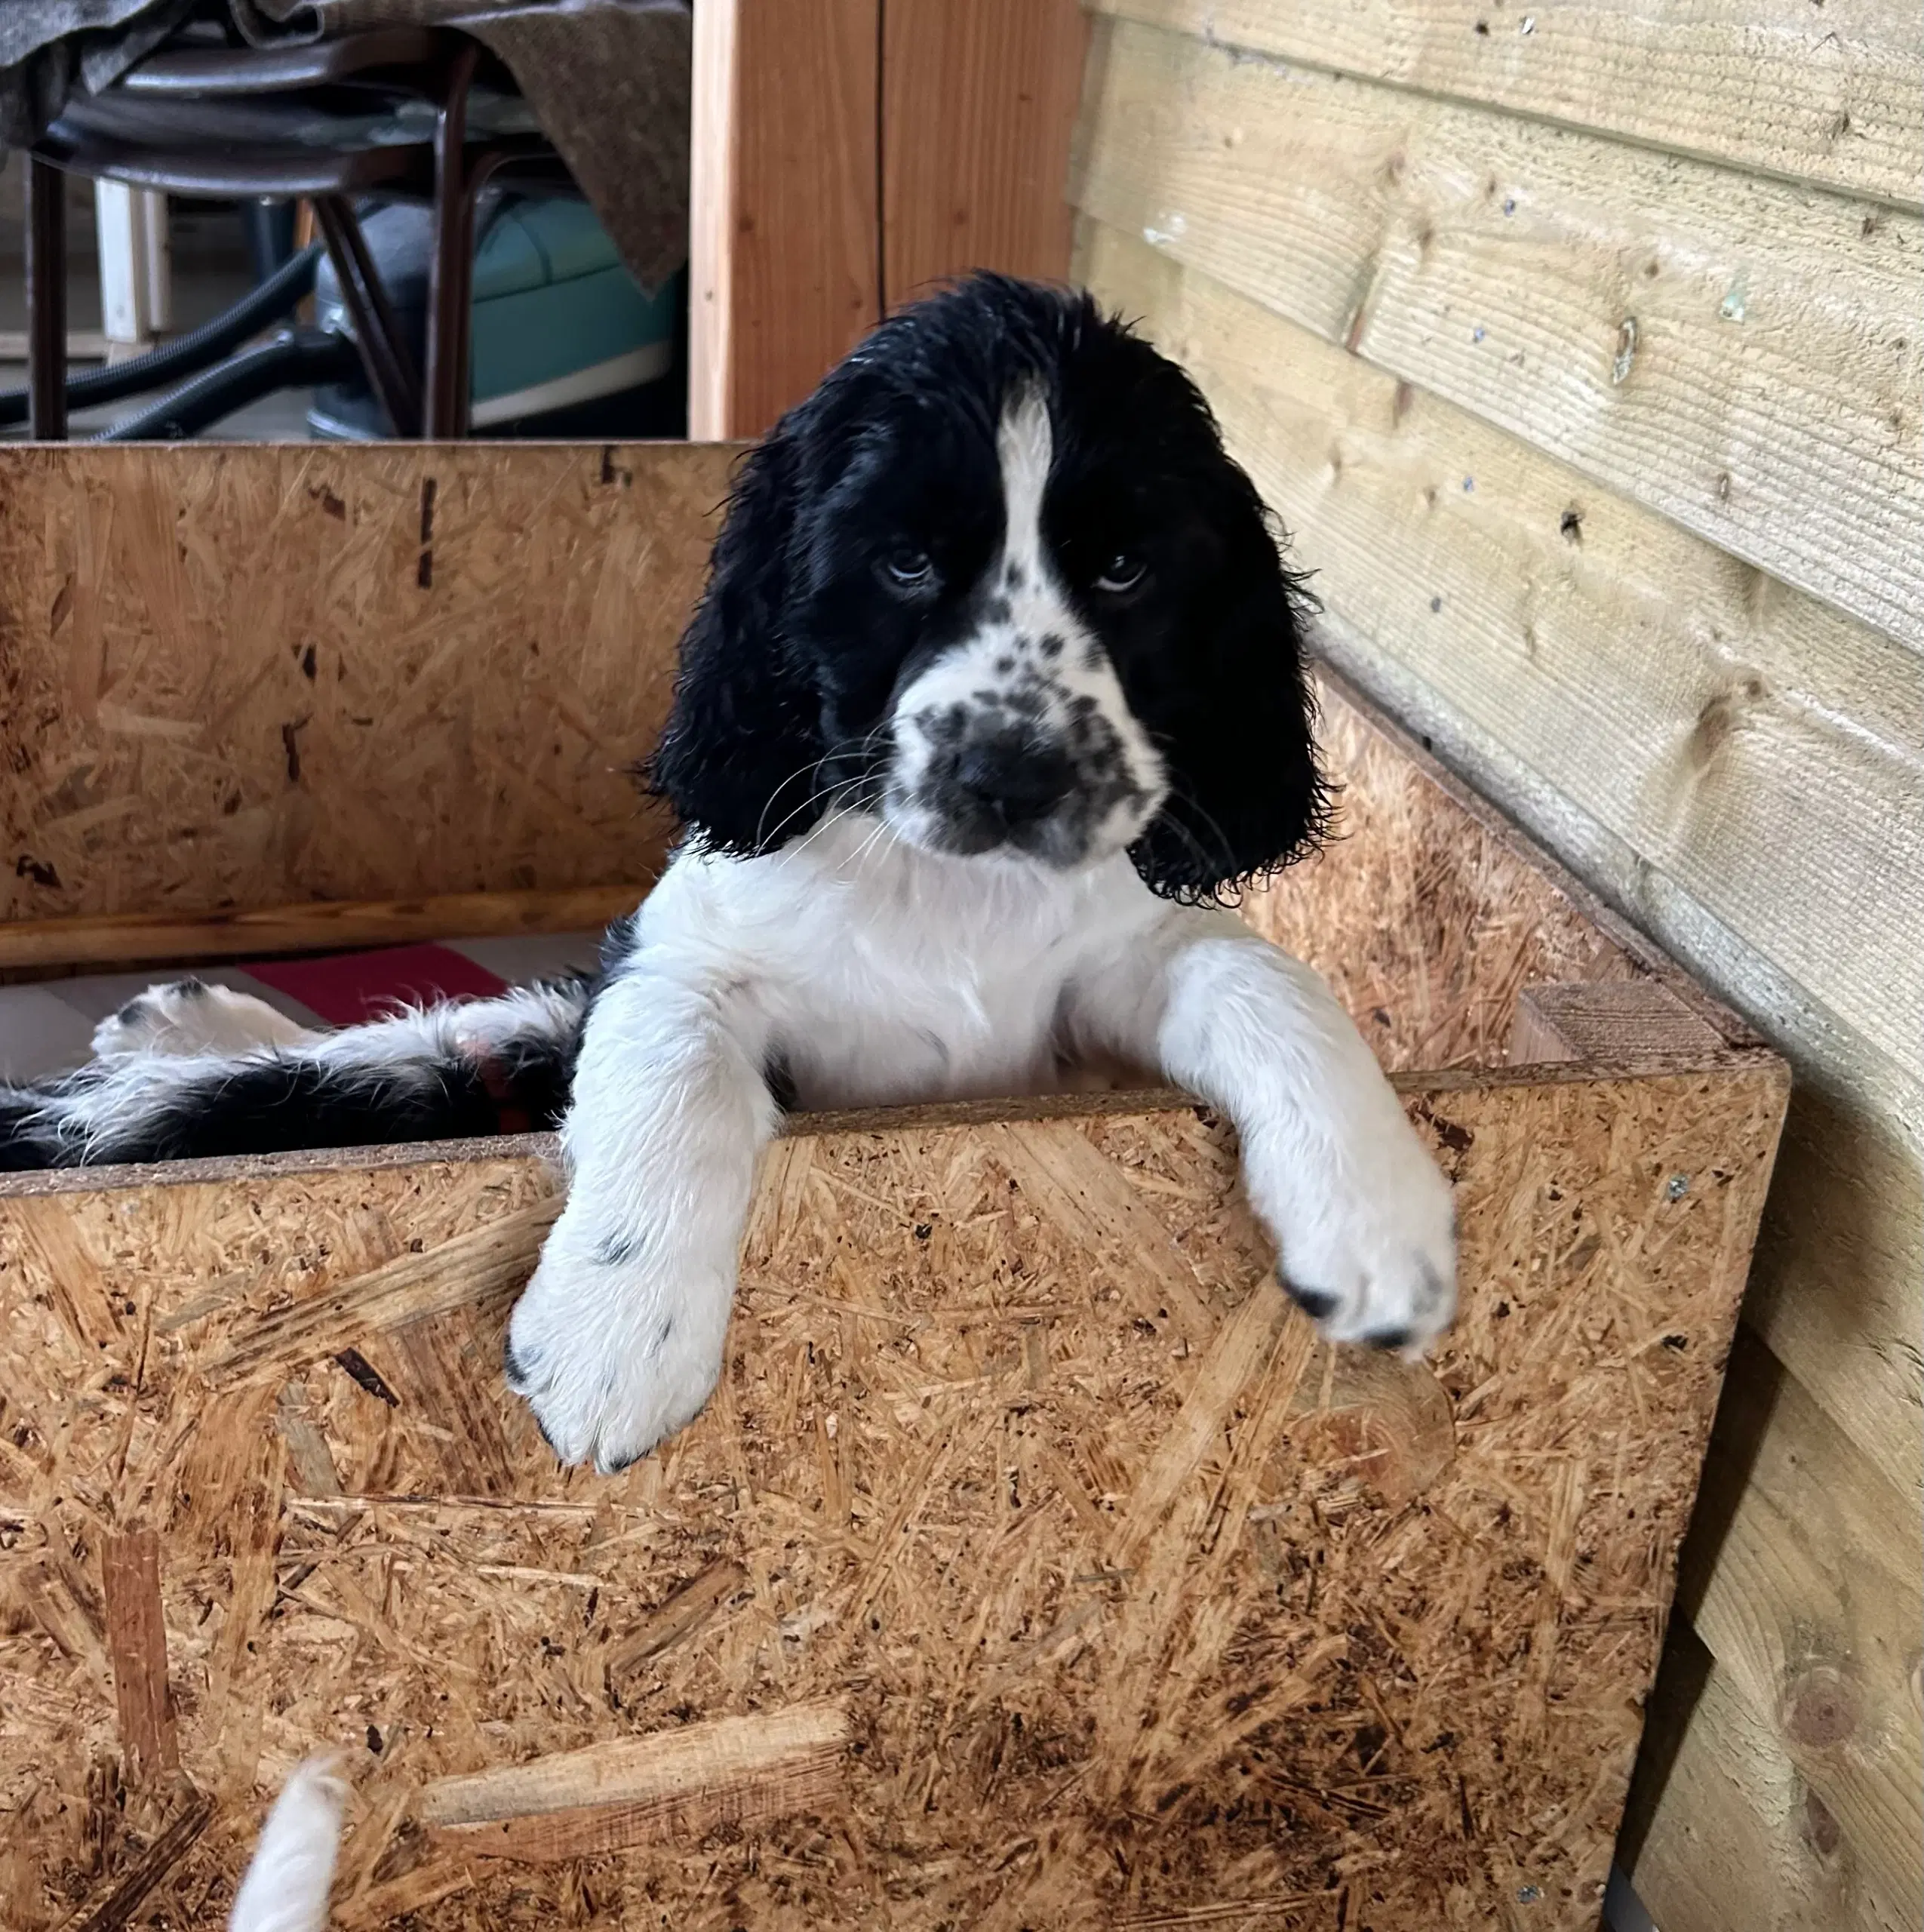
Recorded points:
(995, 694)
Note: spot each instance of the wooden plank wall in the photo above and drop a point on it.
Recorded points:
(1580, 349)
(849, 154)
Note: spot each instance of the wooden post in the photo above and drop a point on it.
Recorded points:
(849, 154)
(979, 106)
(784, 267)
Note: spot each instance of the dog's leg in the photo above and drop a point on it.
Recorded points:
(617, 1341)
(187, 1016)
(1362, 1217)
(287, 1879)
(444, 1072)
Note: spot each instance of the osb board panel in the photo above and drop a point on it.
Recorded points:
(1137, 1608)
(248, 677)
(1426, 914)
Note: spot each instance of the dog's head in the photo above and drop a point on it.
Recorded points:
(997, 582)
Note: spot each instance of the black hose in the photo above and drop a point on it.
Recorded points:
(186, 355)
(289, 362)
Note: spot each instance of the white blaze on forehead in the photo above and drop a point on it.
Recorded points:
(1025, 447)
(1028, 663)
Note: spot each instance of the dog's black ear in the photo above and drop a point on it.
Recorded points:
(738, 757)
(1236, 730)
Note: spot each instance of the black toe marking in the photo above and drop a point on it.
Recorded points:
(133, 1010)
(514, 1369)
(781, 1083)
(1313, 1302)
(612, 1465)
(1388, 1338)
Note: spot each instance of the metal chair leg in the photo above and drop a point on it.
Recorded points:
(450, 273)
(384, 350)
(46, 301)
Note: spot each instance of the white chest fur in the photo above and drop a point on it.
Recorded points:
(882, 974)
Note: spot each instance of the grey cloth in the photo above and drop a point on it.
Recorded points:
(46, 46)
(609, 80)
(28, 25)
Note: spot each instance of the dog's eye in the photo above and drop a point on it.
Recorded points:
(912, 568)
(1122, 573)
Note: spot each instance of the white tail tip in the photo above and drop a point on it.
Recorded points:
(287, 1885)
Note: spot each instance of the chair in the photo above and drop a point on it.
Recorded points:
(398, 111)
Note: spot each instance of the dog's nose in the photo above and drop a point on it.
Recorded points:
(1014, 779)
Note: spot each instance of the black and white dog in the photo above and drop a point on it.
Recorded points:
(995, 691)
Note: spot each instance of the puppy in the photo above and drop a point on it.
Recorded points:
(995, 694)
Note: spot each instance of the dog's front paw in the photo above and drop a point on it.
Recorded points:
(613, 1352)
(1367, 1242)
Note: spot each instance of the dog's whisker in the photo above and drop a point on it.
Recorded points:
(1209, 862)
(1225, 858)
(860, 752)
(867, 847)
(763, 838)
